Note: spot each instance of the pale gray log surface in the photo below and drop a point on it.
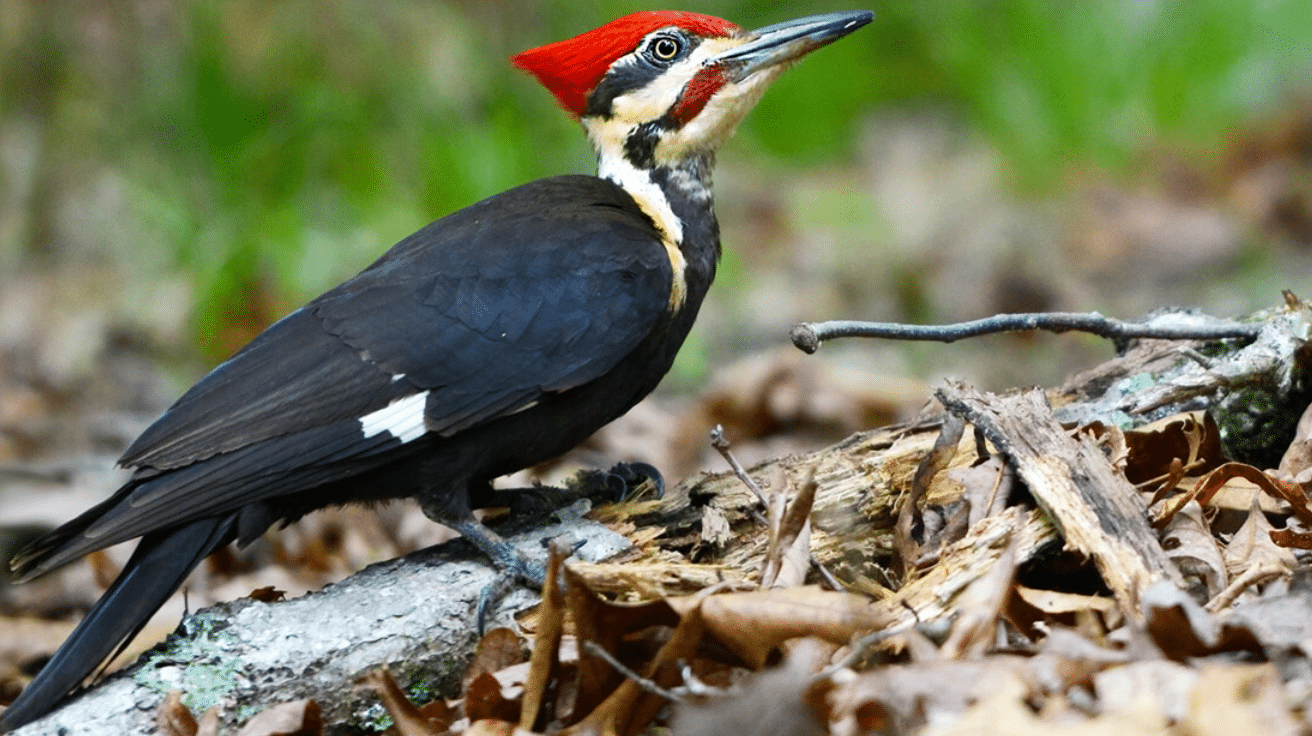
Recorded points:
(415, 614)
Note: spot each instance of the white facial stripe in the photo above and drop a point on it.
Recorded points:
(651, 200)
(703, 133)
(637, 182)
(403, 419)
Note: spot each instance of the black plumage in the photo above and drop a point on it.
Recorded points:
(495, 338)
(525, 322)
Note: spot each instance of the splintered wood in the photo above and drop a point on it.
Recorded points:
(1024, 562)
(860, 486)
(1097, 511)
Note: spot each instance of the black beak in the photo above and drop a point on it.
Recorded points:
(784, 42)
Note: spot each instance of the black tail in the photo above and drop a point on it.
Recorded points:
(158, 567)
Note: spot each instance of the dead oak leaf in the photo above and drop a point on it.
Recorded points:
(1190, 441)
(1240, 699)
(1252, 546)
(788, 553)
(1190, 544)
(1287, 491)
(1296, 463)
(752, 624)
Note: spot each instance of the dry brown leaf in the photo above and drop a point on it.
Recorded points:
(1067, 657)
(498, 649)
(484, 698)
(629, 709)
(1190, 544)
(406, 718)
(1292, 539)
(899, 698)
(752, 624)
(1055, 602)
(544, 667)
(606, 624)
(979, 607)
(172, 718)
(267, 594)
(907, 551)
(788, 553)
(1236, 494)
(1165, 684)
(440, 714)
(1251, 546)
(493, 727)
(1007, 711)
(1240, 700)
(1216, 479)
(986, 486)
(1296, 463)
(1112, 438)
(296, 718)
(1181, 628)
(1190, 440)
(1254, 556)
(776, 701)
(1167, 485)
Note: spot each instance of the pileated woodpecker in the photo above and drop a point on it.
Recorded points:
(493, 339)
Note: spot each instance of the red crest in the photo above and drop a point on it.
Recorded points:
(572, 68)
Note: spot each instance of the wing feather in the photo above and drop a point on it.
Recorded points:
(538, 290)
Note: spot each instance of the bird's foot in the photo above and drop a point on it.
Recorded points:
(624, 481)
(504, 556)
(526, 570)
(630, 480)
(522, 571)
(513, 566)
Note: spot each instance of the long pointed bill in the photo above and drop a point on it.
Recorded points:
(784, 42)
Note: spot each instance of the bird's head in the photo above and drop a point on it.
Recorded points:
(654, 89)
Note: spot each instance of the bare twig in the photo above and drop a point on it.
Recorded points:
(721, 444)
(1165, 326)
(648, 685)
(858, 650)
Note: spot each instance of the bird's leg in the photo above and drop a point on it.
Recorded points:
(510, 561)
(449, 504)
(512, 565)
(526, 505)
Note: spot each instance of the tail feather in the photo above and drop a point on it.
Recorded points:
(157, 568)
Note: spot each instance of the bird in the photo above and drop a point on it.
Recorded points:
(495, 338)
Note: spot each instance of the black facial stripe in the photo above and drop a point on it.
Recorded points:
(634, 71)
(640, 146)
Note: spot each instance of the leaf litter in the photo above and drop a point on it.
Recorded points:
(997, 570)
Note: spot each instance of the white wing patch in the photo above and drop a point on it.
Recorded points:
(403, 419)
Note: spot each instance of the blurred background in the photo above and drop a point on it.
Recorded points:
(177, 174)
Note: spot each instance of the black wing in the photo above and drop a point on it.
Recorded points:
(537, 290)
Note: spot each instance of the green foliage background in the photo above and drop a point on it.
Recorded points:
(268, 149)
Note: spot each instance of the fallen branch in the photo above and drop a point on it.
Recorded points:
(1164, 326)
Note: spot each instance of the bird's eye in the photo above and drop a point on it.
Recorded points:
(664, 48)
